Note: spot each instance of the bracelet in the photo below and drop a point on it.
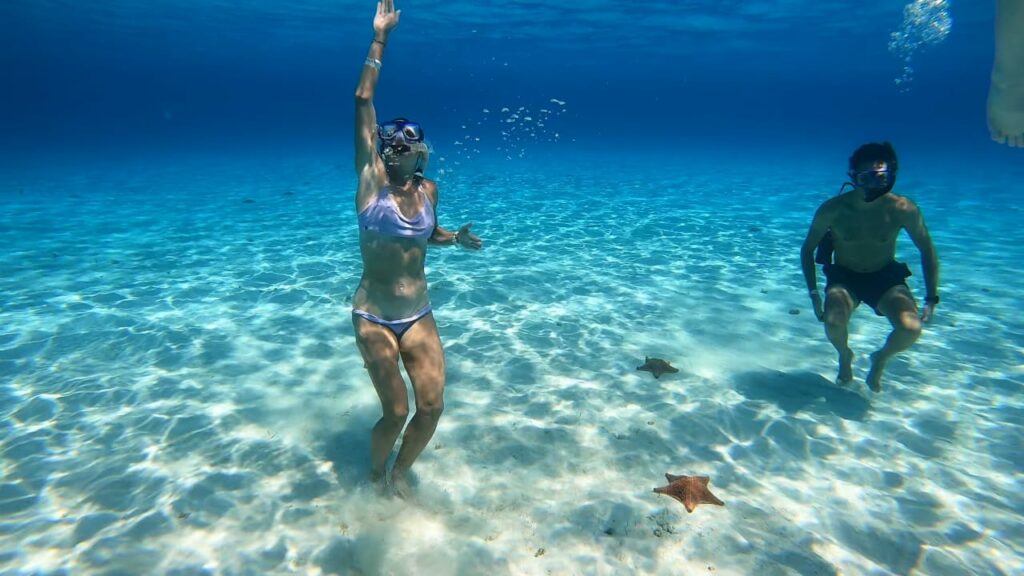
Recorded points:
(382, 43)
(373, 63)
(455, 239)
(933, 300)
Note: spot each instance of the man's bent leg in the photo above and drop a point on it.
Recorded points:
(839, 305)
(898, 306)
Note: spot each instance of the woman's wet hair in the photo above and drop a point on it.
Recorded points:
(874, 152)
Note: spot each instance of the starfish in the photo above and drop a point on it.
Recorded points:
(657, 366)
(690, 490)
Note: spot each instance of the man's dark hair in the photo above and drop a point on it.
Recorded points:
(874, 152)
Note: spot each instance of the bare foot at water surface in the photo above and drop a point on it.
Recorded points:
(1006, 91)
(1006, 114)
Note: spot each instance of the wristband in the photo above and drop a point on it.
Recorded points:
(381, 42)
(933, 300)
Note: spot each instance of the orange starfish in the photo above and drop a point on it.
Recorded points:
(690, 490)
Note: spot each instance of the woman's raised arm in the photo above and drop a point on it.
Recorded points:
(366, 117)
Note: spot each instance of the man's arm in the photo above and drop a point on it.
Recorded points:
(913, 222)
(819, 227)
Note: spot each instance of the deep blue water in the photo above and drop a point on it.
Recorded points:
(738, 78)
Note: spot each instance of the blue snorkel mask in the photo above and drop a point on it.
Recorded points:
(398, 133)
(395, 137)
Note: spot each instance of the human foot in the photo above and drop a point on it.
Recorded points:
(379, 481)
(1006, 92)
(400, 486)
(874, 379)
(1006, 113)
(845, 375)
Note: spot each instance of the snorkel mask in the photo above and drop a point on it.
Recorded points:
(394, 137)
(879, 179)
(875, 182)
(397, 134)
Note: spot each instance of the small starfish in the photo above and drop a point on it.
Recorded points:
(657, 366)
(691, 491)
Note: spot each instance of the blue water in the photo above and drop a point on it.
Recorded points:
(185, 75)
(179, 388)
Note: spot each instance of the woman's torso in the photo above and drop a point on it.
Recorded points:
(394, 226)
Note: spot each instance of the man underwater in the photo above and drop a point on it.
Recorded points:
(861, 227)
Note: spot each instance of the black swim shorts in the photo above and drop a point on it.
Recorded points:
(868, 287)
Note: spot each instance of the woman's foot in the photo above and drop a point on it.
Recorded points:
(400, 486)
(379, 481)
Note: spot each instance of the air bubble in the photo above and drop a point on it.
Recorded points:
(924, 22)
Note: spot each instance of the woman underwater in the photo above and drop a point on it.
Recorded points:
(397, 212)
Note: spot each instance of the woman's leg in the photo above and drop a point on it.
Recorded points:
(379, 348)
(423, 357)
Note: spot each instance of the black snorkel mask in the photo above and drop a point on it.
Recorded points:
(873, 169)
(875, 182)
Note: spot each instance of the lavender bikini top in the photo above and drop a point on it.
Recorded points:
(384, 217)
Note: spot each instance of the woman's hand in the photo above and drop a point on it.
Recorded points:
(469, 240)
(386, 18)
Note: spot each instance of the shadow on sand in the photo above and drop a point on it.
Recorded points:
(348, 449)
(803, 392)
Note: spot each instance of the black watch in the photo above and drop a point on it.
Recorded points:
(933, 300)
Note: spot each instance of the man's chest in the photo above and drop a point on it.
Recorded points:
(871, 227)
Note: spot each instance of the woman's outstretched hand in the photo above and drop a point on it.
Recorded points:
(386, 18)
(469, 240)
